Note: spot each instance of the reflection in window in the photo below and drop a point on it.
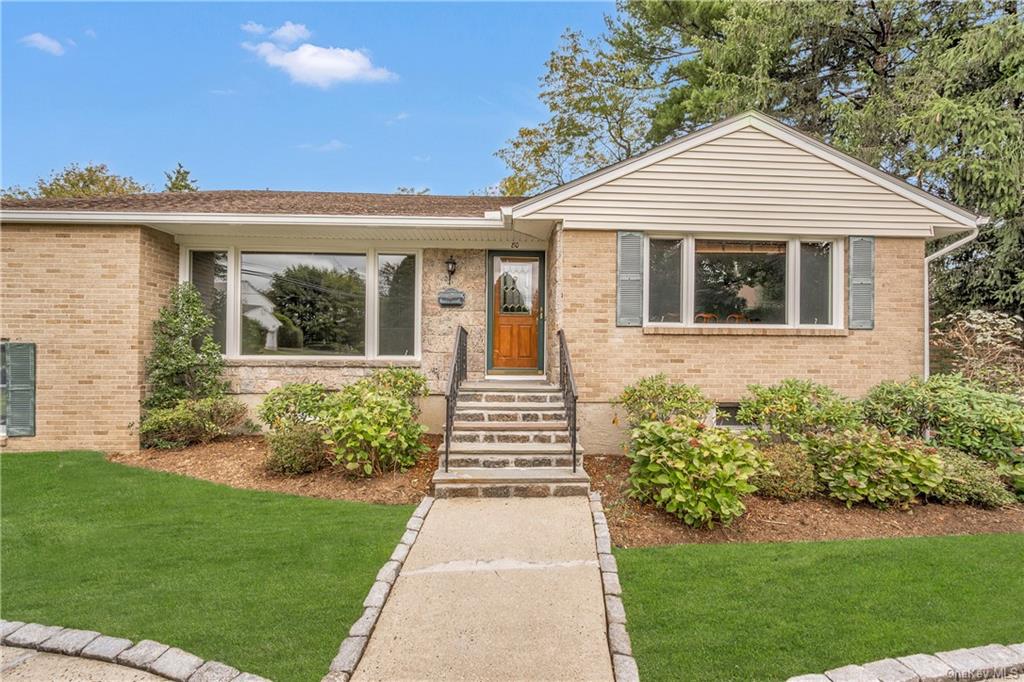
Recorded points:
(209, 275)
(740, 282)
(515, 286)
(303, 304)
(816, 283)
(396, 291)
(666, 278)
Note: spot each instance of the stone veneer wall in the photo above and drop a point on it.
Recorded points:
(722, 362)
(87, 297)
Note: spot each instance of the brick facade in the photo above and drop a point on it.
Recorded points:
(722, 362)
(87, 297)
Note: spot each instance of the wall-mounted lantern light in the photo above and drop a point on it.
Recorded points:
(452, 265)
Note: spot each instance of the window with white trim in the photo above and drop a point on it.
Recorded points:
(355, 304)
(695, 281)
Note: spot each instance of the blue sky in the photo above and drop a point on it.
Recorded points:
(346, 97)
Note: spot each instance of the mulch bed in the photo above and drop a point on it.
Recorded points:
(633, 524)
(238, 462)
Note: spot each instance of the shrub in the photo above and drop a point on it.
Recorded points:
(373, 429)
(697, 473)
(952, 411)
(870, 465)
(1012, 473)
(293, 404)
(787, 474)
(794, 407)
(296, 448)
(985, 347)
(969, 480)
(191, 421)
(407, 384)
(186, 362)
(653, 398)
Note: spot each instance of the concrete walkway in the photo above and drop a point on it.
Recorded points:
(496, 589)
(28, 665)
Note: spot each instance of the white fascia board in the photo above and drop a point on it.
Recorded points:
(170, 219)
(768, 126)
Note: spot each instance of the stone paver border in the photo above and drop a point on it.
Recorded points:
(992, 661)
(153, 657)
(352, 647)
(623, 663)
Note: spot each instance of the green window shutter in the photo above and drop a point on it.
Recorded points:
(630, 296)
(862, 282)
(21, 389)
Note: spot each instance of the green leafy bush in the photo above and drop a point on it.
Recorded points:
(697, 473)
(407, 384)
(787, 473)
(191, 421)
(871, 465)
(293, 404)
(372, 431)
(794, 407)
(186, 362)
(969, 480)
(1013, 475)
(296, 448)
(952, 411)
(653, 398)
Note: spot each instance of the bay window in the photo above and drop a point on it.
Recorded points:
(691, 281)
(284, 304)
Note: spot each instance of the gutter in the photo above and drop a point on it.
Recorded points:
(971, 236)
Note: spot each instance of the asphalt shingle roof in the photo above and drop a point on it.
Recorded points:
(274, 202)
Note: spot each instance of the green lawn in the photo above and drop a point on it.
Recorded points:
(265, 582)
(769, 611)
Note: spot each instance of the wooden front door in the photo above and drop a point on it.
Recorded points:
(517, 312)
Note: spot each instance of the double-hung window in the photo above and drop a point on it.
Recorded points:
(306, 304)
(695, 281)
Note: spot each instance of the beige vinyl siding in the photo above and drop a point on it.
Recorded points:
(745, 179)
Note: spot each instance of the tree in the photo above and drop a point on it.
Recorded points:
(412, 190)
(186, 363)
(75, 181)
(327, 305)
(180, 180)
(929, 90)
(599, 110)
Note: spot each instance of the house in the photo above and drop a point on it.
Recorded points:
(745, 252)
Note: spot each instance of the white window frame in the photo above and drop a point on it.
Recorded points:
(792, 280)
(234, 305)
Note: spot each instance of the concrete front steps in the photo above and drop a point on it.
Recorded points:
(510, 439)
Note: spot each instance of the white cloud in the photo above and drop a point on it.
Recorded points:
(225, 92)
(421, 159)
(254, 28)
(400, 116)
(288, 33)
(90, 33)
(44, 43)
(320, 66)
(330, 146)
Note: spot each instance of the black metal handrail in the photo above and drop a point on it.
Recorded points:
(567, 382)
(455, 378)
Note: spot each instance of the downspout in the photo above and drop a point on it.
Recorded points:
(971, 236)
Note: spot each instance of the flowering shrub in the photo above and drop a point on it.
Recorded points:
(697, 473)
(952, 411)
(653, 398)
(787, 473)
(794, 407)
(870, 465)
(983, 346)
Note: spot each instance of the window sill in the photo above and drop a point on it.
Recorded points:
(740, 330)
(319, 362)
